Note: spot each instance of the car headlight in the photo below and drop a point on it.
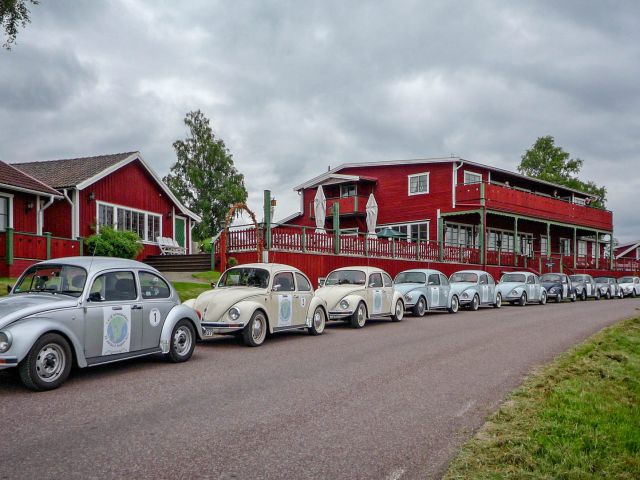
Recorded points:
(578, 289)
(344, 304)
(234, 313)
(465, 295)
(513, 293)
(407, 297)
(554, 290)
(5, 342)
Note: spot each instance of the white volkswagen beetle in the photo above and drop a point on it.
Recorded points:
(630, 286)
(356, 293)
(521, 288)
(258, 298)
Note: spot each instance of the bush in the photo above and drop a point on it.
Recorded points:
(206, 245)
(113, 243)
(232, 262)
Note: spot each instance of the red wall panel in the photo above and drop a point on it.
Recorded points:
(24, 220)
(57, 219)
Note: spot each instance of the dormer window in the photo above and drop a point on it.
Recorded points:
(419, 183)
(348, 190)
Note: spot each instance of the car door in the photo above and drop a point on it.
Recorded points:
(483, 285)
(531, 288)
(538, 287)
(566, 286)
(156, 305)
(302, 299)
(433, 285)
(281, 307)
(388, 290)
(113, 315)
(445, 290)
(375, 294)
(591, 286)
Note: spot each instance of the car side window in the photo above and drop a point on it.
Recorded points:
(113, 286)
(283, 282)
(303, 284)
(375, 280)
(444, 280)
(531, 280)
(491, 280)
(153, 286)
(483, 280)
(434, 279)
(387, 280)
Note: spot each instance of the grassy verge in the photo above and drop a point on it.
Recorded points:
(578, 417)
(188, 290)
(211, 276)
(4, 281)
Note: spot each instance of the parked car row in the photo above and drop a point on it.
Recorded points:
(87, 311)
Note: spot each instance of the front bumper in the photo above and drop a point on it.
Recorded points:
(8, 362)
(213, 328)
(339, 314)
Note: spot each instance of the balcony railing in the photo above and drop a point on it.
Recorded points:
(517, 202)
(29, 246)
(354, 205)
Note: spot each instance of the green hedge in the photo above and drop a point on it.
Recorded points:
(113, 243)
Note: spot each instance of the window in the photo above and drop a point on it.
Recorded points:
(4, 213)
(387, 280)
(638, 253)
(434, 279)
(348, 190)
(419, 232)
(582, 248)
(544, 243)
(459, 235)
(346, 277)
(146, 224)
(444, 280)
(153, 286)
(114, 286)
(419, 183)
(593, 249)
(375, 280)
(283, 282)
(471, 177)
(498, 240)
(349, 232)
(303, 284)
(526, 244)
(579, 201)
(531, 280)
(565, 246)
(484, 280)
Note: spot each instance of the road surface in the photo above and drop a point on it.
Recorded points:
(393, 400)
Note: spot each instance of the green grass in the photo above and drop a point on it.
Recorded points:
(4, 281)
(210, 276)
(576, 418)
(188, 290)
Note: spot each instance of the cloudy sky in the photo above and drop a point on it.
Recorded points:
(293, 87)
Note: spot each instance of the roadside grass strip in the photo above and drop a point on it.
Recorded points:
(4, 282)
(210, 276)
(575, 418)
(188, 290)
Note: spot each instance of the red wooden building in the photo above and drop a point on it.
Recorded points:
(119, 190)
(628, 252)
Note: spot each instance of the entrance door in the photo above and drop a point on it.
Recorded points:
(180, 230)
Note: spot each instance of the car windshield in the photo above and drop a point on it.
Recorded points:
(625, 280)
(410, 277)
(602, 279)
(551, 277)
(245, 277)
(346, 277)
(578, 278)
(464, 277)
(54, 279)
(514, 277)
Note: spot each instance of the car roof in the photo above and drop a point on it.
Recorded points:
(272, 267)
(98, 263)
(367, 270)
(477, 272)
(523, 272)
(427, 271)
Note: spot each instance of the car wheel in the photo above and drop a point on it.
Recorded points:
(48, 363)
(419, 308)
(317, 322)
(455, 305)
(398, 313)
(523, 299)
(183, 341)
(621, 294)
(559, 298)
(608, 295)
(359, 317)
(543, 298)
(583, 296)
(475, 303)
(498, 303)
(633, 293)
(573, 297)
(598, 295)
(255, 331)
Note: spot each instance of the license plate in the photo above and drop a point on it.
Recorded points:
(208, 332)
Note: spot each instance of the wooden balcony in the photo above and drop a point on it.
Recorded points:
(517, 202)
(349, 206)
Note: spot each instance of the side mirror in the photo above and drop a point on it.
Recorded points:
(95, 297)
(321, 282)
(9, 288)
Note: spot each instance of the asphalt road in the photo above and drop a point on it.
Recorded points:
(393, 400)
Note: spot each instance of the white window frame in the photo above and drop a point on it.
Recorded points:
(349, 231)
(579, 201)
(546, 244)
(355, 190)
(582, 248)
(474, 233)
(638, 253)
(423, 174)
(470, 173)
(528, 236)
(117, 207)
(9, 197)
(409, 225)
(502, 231)
(565, 251)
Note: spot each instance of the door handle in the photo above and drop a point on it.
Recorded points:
(136, 307)
(296, 296)
(116, 308)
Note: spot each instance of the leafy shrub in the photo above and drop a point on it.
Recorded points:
(206, 245)
(232, 262)
(114, 243)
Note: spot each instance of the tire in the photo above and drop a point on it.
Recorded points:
(455, 305)
(359, 317)
(183, 342)
(318, 322)
(608, 295)
(543, 298)
(523, 299)
(633, 293)
(583, 296)
(573, 297)
(398, 312)
(498, 303)
(254, 332)
(48, 363)
(598, 295)
(559, 298)
(475, 303)
(419, 308)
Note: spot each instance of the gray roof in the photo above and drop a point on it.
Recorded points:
(15, 179)
(70, 172)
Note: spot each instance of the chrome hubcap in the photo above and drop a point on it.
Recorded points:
(50, 362)
(318, 321)
(399, 310)
(257, 329)
(182, 341)
(454, 304)
(361, 318)
(421, 307)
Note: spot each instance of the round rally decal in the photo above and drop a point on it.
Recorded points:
(154, 317)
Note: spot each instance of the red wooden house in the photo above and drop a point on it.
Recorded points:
(628, 253)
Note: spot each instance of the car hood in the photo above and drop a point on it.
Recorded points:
(550, 285)
(462, 286)
(625, 285)
(15, 307)
(508, 286)
(214, 303)
(405, 288)
(333, 294)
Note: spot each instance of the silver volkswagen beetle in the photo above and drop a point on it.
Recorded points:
(425, 290)
(90, 311)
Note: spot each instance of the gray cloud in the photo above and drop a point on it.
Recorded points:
(295, 87)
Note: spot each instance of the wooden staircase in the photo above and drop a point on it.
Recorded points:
(199, 262)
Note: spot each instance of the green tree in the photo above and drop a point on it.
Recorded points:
(14, 14)
(204, 178)
(546, 161)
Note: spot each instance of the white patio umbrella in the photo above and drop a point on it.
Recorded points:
(320, 209)
(372, 215)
